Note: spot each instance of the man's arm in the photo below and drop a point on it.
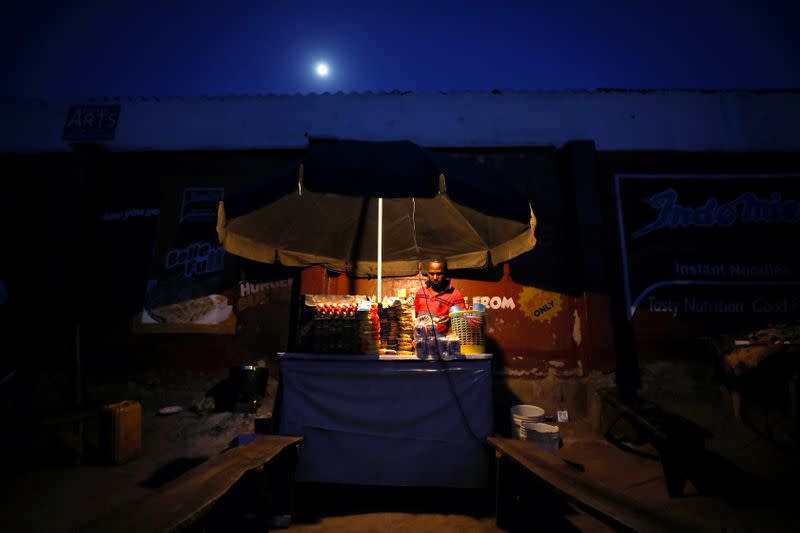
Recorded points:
(458, 299)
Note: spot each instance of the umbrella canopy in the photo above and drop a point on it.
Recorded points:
(323, 210)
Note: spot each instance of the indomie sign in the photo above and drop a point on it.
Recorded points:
(695, 245)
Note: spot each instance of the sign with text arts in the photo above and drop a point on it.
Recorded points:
(91, 123)
(710, 247)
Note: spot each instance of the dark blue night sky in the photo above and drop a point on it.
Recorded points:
(188, 48)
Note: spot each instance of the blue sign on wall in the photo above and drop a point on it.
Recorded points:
(710, 245)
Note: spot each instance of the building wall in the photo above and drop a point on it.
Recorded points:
(69, 264)
(530, 136)
(614, 120)
(659, 335)
(110, 259)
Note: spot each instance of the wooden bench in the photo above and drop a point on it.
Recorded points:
(680, 443)
(519, 463)
(182, 501)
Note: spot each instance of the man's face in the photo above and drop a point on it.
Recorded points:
(437, 274)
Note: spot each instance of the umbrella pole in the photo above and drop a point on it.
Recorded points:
(380, 246)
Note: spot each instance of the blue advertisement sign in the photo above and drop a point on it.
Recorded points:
(713, 246)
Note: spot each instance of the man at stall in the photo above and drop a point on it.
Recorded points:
(438, 295)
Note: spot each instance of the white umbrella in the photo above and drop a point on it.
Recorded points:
(318, 216)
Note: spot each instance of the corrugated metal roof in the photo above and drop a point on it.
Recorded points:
(396, 92)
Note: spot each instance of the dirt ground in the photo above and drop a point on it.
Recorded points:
(749, 481)
(61, 497)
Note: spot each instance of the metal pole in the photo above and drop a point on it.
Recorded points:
(78, 368)
(380, 247)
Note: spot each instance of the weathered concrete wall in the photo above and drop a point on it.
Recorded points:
(615, 120)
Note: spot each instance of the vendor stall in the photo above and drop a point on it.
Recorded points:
(388, 420)
(381, 399)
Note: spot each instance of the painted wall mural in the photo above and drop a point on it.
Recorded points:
(189, 290)
(540, 305)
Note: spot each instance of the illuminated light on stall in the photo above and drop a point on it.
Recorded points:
(380, 247)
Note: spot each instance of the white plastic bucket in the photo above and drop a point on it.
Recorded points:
(524, 413)
(545, 437)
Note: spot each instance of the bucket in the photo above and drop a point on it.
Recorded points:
(249, 381)
(524, 413)
(545, 437)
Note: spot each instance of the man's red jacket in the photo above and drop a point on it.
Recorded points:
(438, 304)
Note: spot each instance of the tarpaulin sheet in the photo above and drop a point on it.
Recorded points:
(397, 422)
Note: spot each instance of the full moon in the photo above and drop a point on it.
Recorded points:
(322, 70)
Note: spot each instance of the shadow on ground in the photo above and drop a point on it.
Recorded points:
(314, 501)
(684, 456)
(170, 471)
